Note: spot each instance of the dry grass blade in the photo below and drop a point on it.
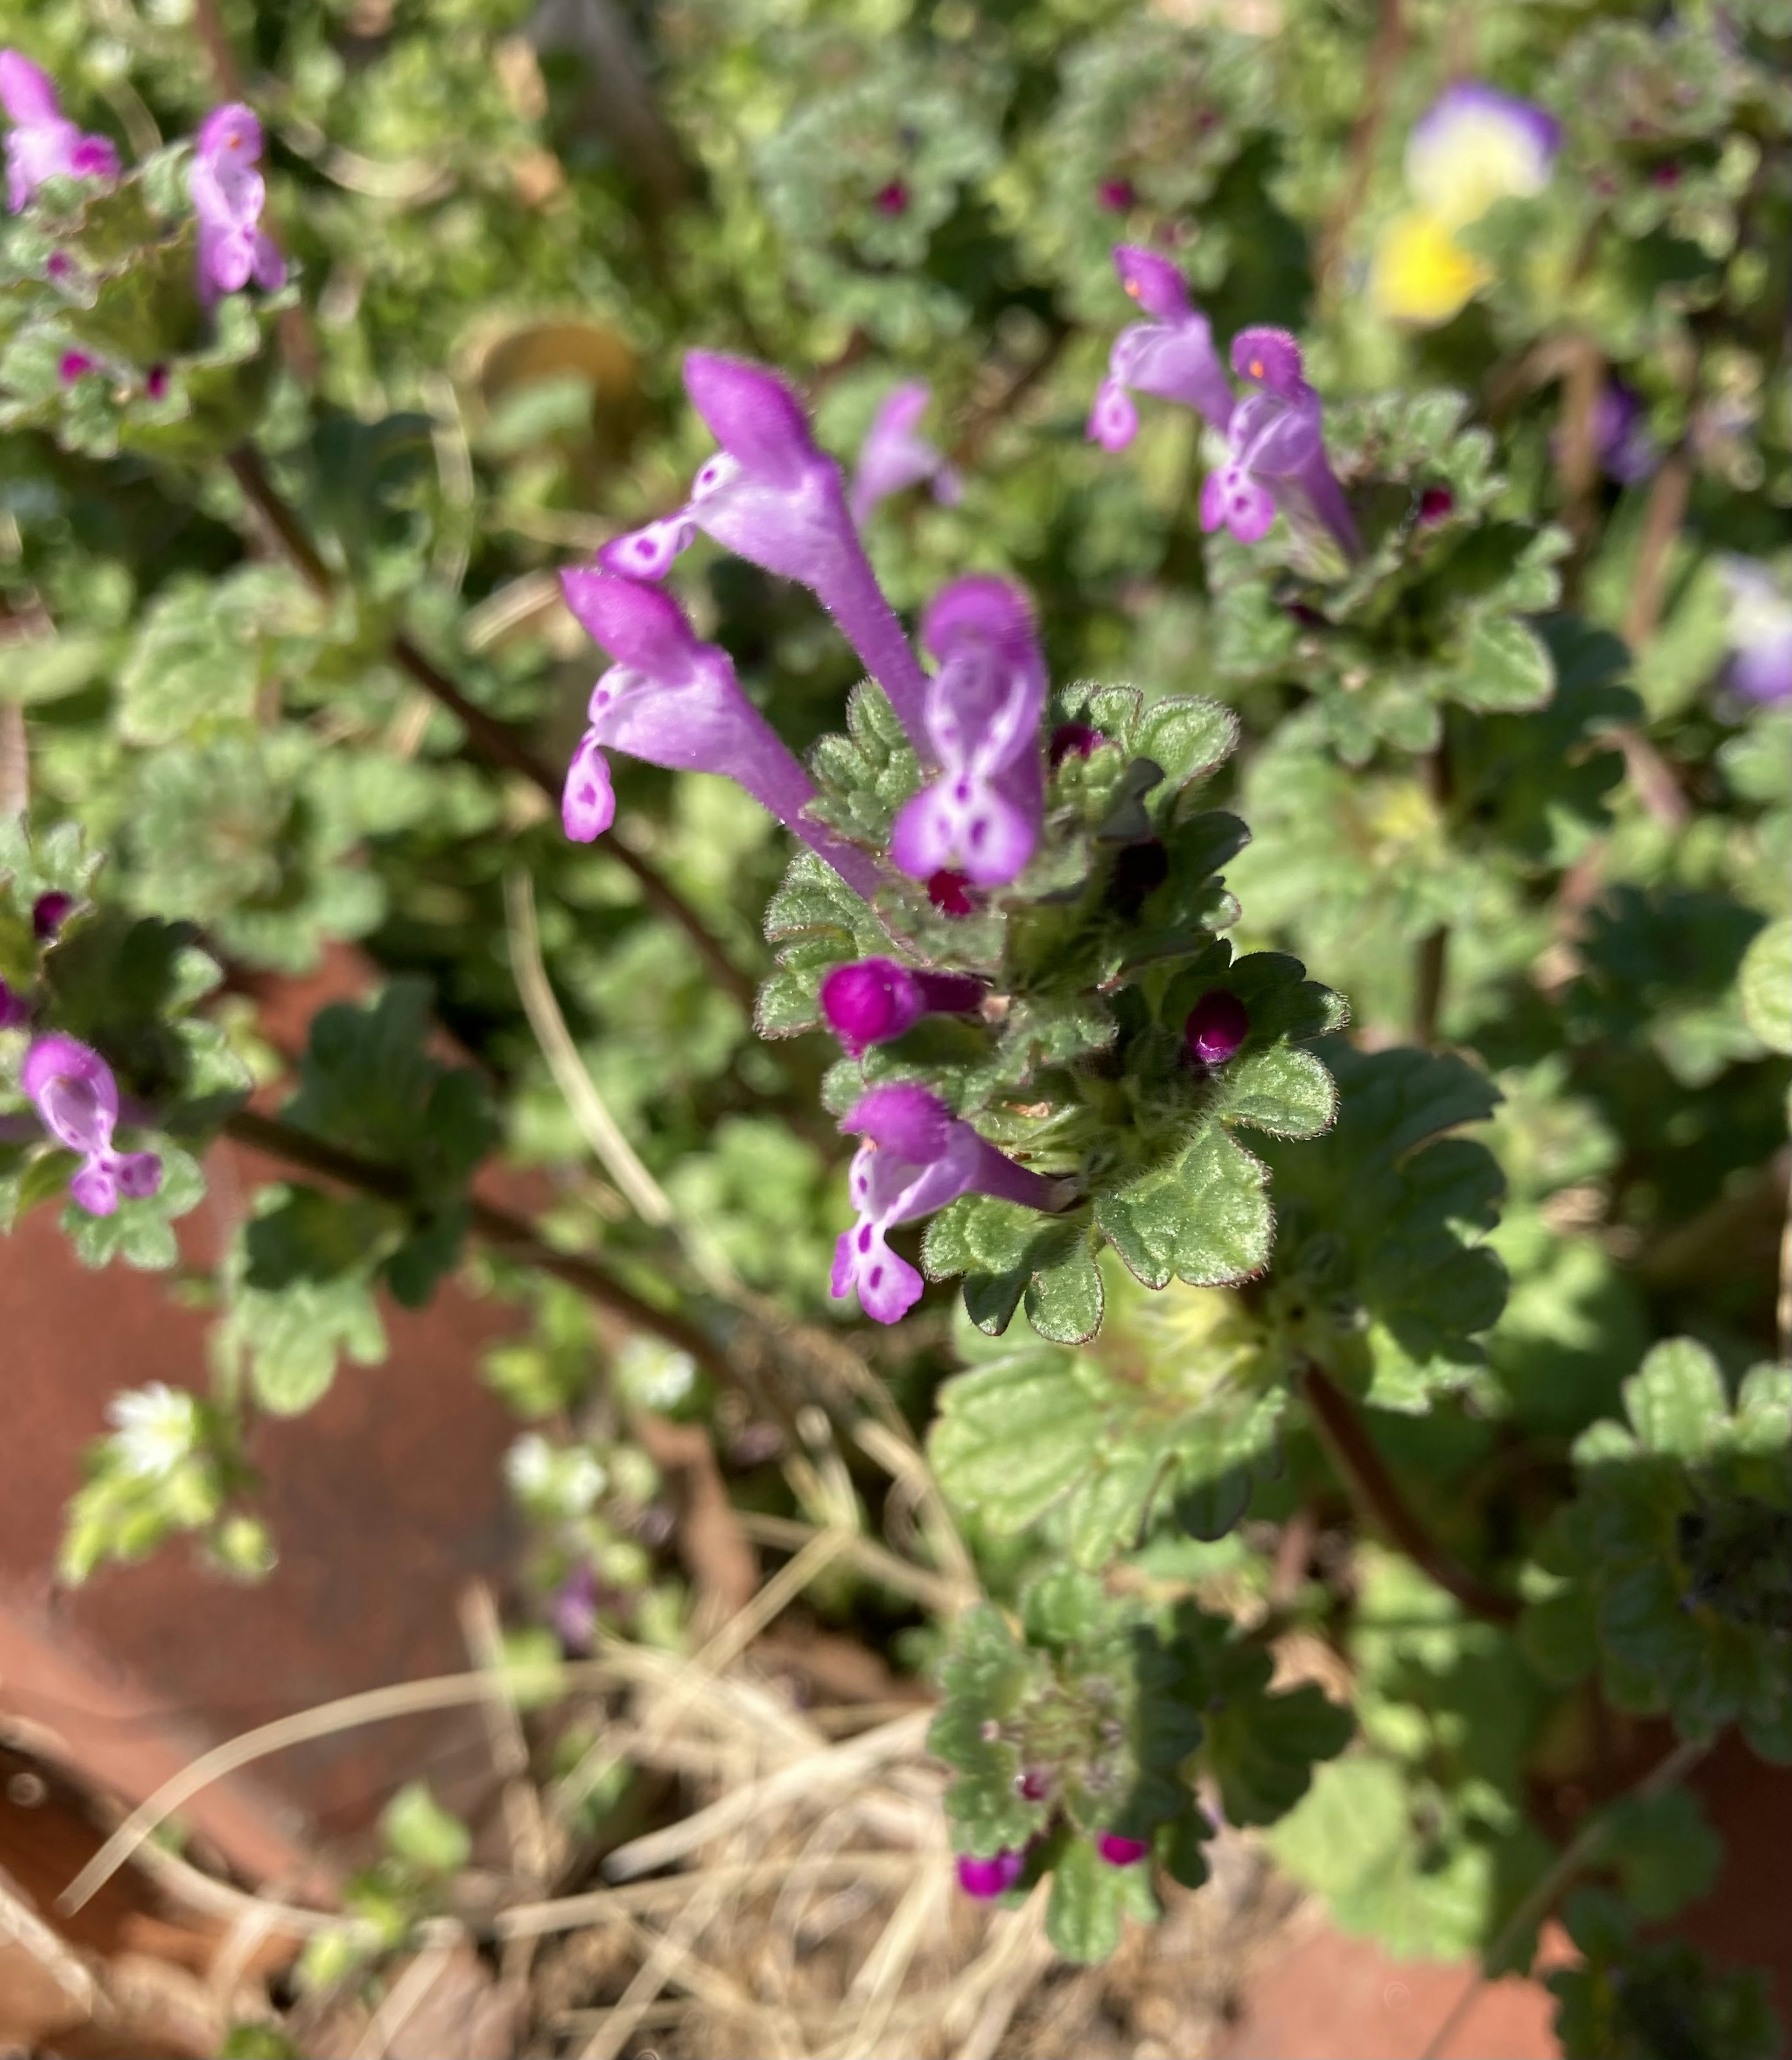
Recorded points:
(403, 1699)
(814, 1780)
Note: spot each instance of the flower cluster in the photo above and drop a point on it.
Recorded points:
(973, 825)
(1276, 459)
(43, 143)
(1473, 146)
(228, 192)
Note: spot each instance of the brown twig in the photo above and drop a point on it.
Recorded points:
(493, 741)
(1385, 54)
(1365, 1473)
(510, 1235)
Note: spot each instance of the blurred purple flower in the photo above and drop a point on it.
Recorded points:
(892, 199)
(1760, 630)
(1121, 1852)
(74, 363)
(988, 1876)
(1172, 356)
(674, 701)
(77, 1099)
(572, 1610)
(228, 196)
(895, 455)
(981, 815)
(1276, 457)
(1073, 739)
(916, 1157)
(1626, 451)
(43, 143)
(770, 496)
(1115, 195)
(49, 913)
(15, 1011)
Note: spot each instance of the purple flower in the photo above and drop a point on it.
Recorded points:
(49, 913)
(44, 144)
(1626, 451)
(987, 1878)
(1216, 1026)
(1172, 356)
(1121, 1852)
(228, 195)
(950, 892)
(1073, 739)
(15, 1011)
(772, 497)
(981, 816)
(916, 1157)
(1115, 195)
(874, 1000)
(895, 455)
(77, 1100)
(155, 382)
(1434, 504)
(73, 365)
(674, 701)
(1760, 630)
(1276, 449)
(1475, 146)
(573, 1611)
(892, 199)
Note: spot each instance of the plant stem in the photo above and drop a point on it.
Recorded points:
(1365, 1475)
(1385, 54)
(1432, 961)
(1582, 1848)
(511, 1234)
(494, 741)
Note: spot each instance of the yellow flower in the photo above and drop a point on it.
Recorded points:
(1420, 274)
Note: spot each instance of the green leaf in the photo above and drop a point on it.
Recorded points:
(1666, 1851)
(1205, 1218)
(1676, 1401)
(1505, 666)
(1089, 1900)
(1184, 738)
(1765, 981)
(1285, 1092)
(416, 1828)
(1013, 1438)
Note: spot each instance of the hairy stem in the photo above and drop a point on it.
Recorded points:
(1365, 1473)
(493, 741)
(516, 1238)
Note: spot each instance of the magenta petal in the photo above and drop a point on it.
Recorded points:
(139, 1174)
(1213, 501)
(647, 553)
(75, 1094)
(921, 836)
(95, 1189)
(902, 1118)
(638, 626)
(1153, 282)
(987, 1877)
(1269, 358)
(869, 1003)
(1216, 1026)
(1121, 1852)
(588, 800)
(27, 92)
(1113, 420)
(230, 135)
(752, 414)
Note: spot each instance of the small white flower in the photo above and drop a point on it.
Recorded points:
(654, 1375)
(155, 1428)
(529, 1465)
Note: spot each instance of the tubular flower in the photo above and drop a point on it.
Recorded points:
(1472, 147)
(981, 816)
(895, 455)
(674, 701)
(1276, 457)
(76, 1099)
(873, 1000)
(1760, 631)
(1172, 356)
(772, 497)
(228, 196)
(916, 1157)
(43, 143)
